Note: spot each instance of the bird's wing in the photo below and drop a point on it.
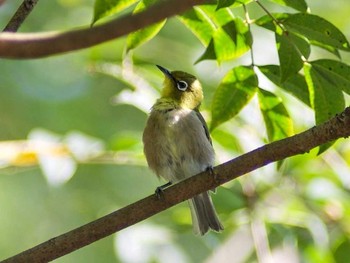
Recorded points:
(205, 127)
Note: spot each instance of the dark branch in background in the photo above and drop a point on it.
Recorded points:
(333, 129)
(35, 45)
(21, 14)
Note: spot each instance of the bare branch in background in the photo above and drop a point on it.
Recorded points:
(21, 14)
(331, 130)
(36, 45)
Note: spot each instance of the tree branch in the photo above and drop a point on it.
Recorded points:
(36, 45)
(21, 14)
(333, 129)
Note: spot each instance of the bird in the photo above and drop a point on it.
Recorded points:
(177, 143)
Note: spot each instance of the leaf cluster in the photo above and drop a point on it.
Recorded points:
(320, 84)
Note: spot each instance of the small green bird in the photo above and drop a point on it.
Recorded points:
(177, 143)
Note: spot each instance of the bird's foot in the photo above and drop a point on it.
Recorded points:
(160, 189)
(210, 169)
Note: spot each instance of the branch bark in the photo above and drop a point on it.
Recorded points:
(36, 45)
(335, 128)
(21, 14)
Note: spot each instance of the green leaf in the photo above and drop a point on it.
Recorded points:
(217, 17)
(209, 52)
(324, 147)
(338, 73)
(330, 49)
(301, 44)
(204, 20)
(291, 48)
(242, 2)
(199, 23)
(299, 5)
(226, 140)
(295, 85)
(225, 3)
(234, 92)
(231, 3)
(141, 36)
(229, 42)
(267, 22)
(317, 30)
(341, 253)
(277, 120)
(103, 8)
(326, 99)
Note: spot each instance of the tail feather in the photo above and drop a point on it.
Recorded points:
(203, 213)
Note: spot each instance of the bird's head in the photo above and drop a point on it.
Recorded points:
(183, 88)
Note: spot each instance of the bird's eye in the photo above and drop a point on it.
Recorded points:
(182, 85)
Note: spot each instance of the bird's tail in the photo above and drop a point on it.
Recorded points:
(203, 213)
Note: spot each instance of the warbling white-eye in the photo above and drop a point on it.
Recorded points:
(177, 143)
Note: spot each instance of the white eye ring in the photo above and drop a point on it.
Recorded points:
(182, 85)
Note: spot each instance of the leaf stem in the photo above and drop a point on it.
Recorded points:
(249, 21)
(270, 15)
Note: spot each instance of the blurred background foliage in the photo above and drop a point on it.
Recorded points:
(71, 151)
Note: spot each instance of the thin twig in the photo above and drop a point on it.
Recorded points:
(271, 15)
(21, 14)
(331, 130)
(35, 45)
(284, 30)
(248, 21)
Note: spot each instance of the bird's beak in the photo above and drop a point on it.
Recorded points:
(167, 73)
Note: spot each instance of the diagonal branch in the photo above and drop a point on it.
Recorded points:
(335, 128)
(36, 45)
(21, 14)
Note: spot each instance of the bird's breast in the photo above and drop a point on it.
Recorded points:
(176, 145)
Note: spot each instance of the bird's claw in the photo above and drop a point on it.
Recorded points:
(210, 169)
(160, 190)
